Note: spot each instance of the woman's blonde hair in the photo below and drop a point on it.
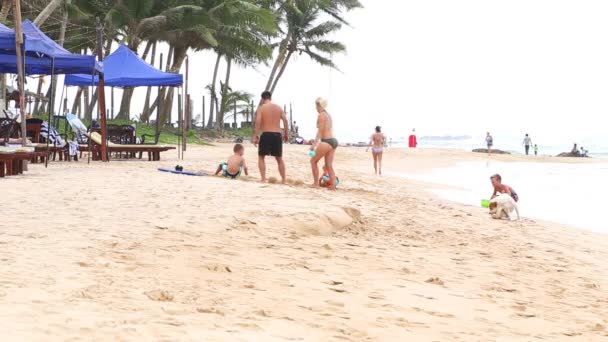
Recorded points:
(321, 102)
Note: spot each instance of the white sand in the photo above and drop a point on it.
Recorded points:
(120, 251)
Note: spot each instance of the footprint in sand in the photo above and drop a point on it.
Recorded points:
(210, 310)
(159, 295)
(435, 281)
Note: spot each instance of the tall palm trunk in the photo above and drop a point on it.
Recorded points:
(276, 80)
(277, 62)
(145, 114)
(7, 5)
(61, 41)
(93, 103)
(179, 55)
(38, 96)
(47, 11)
(225, 89)
(76, 104)
(88, 114)
(213, 96)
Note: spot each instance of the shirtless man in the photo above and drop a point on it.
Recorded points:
(268, 120)
(377, 142)
(500, 188)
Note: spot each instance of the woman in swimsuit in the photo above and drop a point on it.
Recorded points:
(324, 145)
(377, 142)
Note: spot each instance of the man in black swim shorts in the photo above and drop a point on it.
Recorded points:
(268, 120)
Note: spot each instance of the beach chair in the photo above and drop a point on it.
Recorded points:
(152, 150)
(6, 129)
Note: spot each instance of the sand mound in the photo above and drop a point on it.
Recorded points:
(319, 223)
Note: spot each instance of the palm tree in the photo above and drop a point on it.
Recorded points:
(236, 102)
(133, 19)
(202, 24)
(242, 39)
(305, 35)
(51, 7)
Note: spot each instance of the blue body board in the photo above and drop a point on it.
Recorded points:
(185, 173)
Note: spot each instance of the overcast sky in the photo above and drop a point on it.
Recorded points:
(450, 67)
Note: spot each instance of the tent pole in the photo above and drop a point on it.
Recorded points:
(102, 96)
(112, 102)
(159, 106)
(185, 116)
(20, 69)
(203, 123)
(51, 107)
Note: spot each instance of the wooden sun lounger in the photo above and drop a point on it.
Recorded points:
(152, 150)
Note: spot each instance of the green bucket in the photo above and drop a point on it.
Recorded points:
(485, 203)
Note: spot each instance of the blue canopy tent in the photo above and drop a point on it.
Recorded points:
(42, 56)
(7, 38)
(123, 68)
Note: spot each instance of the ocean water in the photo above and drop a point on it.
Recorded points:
(597, 146)
(572, 194)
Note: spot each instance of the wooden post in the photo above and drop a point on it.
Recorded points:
(185, 115)
(102, 96)
(180, 114)
(20, 71)
(159, 106)
(112, 102)
(293, 129)
(253, 114)
(235, 123)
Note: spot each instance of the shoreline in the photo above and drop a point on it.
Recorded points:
(142, 253)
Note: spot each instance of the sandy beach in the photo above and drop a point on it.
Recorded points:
(122, 252)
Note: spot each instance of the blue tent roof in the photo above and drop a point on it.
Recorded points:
(7, 38)
(123, 68)
(40, 49)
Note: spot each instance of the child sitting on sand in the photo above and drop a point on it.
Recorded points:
(324, 180)
(235, 164)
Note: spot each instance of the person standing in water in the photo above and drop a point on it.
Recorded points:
(324, 145)
(377, 142)
(527, 143)
(268, 120)
(489, 142)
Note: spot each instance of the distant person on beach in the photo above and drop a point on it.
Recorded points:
(527, 143)
(324, 145)
(489, 142)
(235, 164)
(575, 149)
(500, 188)
(412, 140)
(377, 142)
(270, 143)
(535, 149)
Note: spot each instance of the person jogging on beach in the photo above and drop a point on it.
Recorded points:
(377, 142)
(527, 143)
(270, 143)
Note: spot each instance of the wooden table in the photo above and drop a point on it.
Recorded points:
(53, 150)
(12, 164)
